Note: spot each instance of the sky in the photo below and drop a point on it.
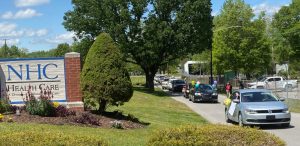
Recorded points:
(37, 24)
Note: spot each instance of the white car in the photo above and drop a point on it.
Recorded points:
(275, 82)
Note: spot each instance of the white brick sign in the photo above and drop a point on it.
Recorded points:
(42, 75)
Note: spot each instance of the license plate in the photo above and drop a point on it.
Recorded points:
(270, 117)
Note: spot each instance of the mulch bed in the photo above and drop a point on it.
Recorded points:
(103, 121)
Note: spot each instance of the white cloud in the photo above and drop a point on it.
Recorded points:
(11, 30)
(62, 38)
(269, 9)
(21, 14)
(28, 3)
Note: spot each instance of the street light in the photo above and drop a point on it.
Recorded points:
(211, 64)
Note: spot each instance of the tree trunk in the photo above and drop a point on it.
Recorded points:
(150, 78)
(102, 106)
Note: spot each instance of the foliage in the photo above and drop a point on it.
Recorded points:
(41, 105)
(34, 138)
(117, 124)
(61, 50)
(82, 47)
(213, 135)
(12, 52)
(104, 76)
(40, 54)
(150, 33)
(87, 118)
(62, 111)
(240, 43)
(287, 21)
(5, 105)
(138, 80)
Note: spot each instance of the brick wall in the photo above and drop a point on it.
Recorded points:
(72, 69)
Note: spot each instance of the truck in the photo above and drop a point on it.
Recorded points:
(274, 82)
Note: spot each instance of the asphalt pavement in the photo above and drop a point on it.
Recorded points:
(214, 113)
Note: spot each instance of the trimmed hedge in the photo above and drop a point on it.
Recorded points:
(34, 138)
(214, 135)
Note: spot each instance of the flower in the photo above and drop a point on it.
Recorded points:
(55, 104)
(1, 117)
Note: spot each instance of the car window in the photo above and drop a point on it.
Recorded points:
(277, 79)
(179, 82)
(258, 97)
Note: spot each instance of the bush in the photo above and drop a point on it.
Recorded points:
(62, 111)
(5, 106)
(41, 107)
(35, 138)
(104, 76)
(214, 135)
(87, 118)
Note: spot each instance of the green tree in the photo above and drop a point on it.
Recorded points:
(287, 21)
(150, 33)
(61, 50)
(82, 47)
(12, 52)
(104, 77)
(240, 43)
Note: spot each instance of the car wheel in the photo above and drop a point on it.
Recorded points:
(241, 124)
(285, 125)
(193, 100)
(190, 98)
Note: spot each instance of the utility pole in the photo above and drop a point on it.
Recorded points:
(5, 49)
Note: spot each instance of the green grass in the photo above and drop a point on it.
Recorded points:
(294, 105)
(138, 80)
(155, 108)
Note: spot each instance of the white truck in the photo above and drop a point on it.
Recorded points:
(274, 82)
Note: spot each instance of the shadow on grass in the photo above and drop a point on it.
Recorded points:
(118, 115)
(157, 92)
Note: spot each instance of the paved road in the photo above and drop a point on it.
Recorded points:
(214, 112)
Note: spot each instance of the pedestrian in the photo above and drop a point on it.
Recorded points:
(197, 86)
(214, 85)
(241, 85)
(228, 89)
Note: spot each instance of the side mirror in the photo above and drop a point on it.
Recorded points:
(281, 99)
(236, 101)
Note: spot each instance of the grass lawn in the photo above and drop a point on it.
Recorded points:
(294, 105)
(155, 108)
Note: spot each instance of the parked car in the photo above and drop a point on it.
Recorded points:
(205, 92)
(176, 85)
(158, 78)
(258, 107)
(275, 82)
(164, 84)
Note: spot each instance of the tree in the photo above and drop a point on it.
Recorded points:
(12, 52)
(240, 43)
(150, 33)
(61, 50)
(287, 21)
(104, 77)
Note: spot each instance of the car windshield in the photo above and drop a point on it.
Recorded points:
(258, 97)
(262, 79)
(179, 82)
(204, 87)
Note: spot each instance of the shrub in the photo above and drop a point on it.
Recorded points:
(5, 105)
(104, 76)
(35, 138)
(214, 135)
(62, 111)
(87, 118)
(42, 105)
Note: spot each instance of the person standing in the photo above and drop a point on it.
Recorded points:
(228, 89)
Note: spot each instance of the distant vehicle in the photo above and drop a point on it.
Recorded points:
(159, 78)
(257, 107)
(164, 84)
(204, 93)
(176, 85)
(275, 82)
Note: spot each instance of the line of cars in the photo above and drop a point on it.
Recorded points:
(204, 93)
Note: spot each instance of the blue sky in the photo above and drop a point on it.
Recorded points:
(37, 24)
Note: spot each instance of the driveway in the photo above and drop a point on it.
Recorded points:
(214, 112)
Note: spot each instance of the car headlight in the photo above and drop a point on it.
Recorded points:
(198, 94)
(286, 110)
(250, 111)
(187, 91)
(215, 94)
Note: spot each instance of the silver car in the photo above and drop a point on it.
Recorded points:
(257, 107)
